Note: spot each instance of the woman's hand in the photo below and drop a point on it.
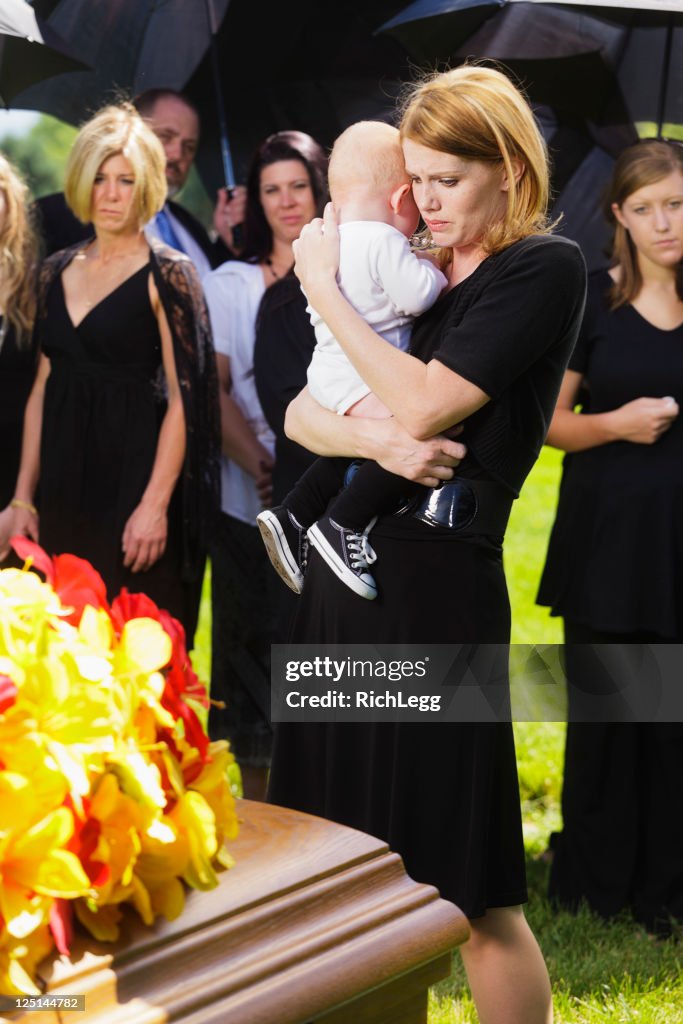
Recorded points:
(424, 462)
(644, 420)
(263, 478)
(14, 521)
(144, 537)
(316, 255)
(229, 213)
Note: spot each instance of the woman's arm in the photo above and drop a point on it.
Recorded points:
(23, 519)
(385, 441)
(238, 440)
(145, 533)
(642, 421)
(424, 398)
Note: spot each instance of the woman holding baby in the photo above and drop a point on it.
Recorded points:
(490, 353)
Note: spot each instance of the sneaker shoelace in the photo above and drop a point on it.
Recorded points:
(361, 552)
(303, 549)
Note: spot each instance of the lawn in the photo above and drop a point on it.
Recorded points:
(601, 973)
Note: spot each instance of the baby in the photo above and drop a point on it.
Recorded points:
(389, 286)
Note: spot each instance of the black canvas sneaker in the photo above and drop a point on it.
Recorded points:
(286, 544)
(348, 554)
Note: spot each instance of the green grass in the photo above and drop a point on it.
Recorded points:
(602, 973)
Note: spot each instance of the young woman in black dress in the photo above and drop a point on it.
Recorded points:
(491, 353)
(18, 275)
(126, 362)
(615, 558)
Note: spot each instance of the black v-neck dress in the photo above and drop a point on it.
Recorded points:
(104, 404)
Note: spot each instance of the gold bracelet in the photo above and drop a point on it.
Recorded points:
(18, 503)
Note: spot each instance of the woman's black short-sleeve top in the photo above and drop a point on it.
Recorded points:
(615, 556)
(509, 328)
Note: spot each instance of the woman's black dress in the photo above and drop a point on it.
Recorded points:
(102, 413)
(614, 571)
(445, 796)
(17, 370)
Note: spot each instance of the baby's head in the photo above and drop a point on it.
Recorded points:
(367, 170)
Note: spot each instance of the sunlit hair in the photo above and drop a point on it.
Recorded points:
(476, 113)
(117, 129)
(286, 145)
(381, 167)
(18, 253)
(640, 165)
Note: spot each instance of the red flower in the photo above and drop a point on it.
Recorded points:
(132, 606)
(84, 840)
(74, 579)
(181, 679)
(61, 925)
(8, 693)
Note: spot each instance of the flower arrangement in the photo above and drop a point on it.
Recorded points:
(110, 791)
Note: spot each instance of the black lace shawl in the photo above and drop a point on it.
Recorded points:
(182, 297)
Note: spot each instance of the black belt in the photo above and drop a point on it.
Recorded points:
(472, 507)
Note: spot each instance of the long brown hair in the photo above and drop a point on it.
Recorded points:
(285, 145)
(642, 164)
(477, 113)
(18, 253)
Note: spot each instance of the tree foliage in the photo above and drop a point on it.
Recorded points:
(41, 154)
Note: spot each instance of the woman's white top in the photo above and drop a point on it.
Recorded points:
(233, 294)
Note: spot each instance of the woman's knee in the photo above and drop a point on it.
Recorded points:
(499, 926)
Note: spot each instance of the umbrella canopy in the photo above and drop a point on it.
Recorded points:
(611, 63)
(133, 45)
(609, 71)
(298, 65)
(318, 70)
(30, 50)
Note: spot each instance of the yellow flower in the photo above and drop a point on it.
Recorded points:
(109, 789)
(19, 959)
(34, 863)
(196, 824)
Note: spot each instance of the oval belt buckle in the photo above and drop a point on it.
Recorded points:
(453, 505)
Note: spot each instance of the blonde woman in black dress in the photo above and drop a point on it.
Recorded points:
(126, 368)
(491, 352)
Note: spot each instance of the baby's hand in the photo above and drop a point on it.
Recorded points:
(316, 255)
(431, 257)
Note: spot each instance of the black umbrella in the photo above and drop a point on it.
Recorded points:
(317, 69)
(608, 62)
(610, 72)
(134, 45)
(298, 65)
(30, 50)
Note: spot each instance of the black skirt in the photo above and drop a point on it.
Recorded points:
(445, 796)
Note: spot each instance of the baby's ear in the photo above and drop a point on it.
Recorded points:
(398, 195)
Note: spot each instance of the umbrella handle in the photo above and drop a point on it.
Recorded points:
(237, 231)
(228, 169)
(664, 80)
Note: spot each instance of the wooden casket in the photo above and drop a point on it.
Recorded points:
(315, 923)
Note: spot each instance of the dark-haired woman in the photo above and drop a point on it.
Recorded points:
(286, 188)
(615, 560)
